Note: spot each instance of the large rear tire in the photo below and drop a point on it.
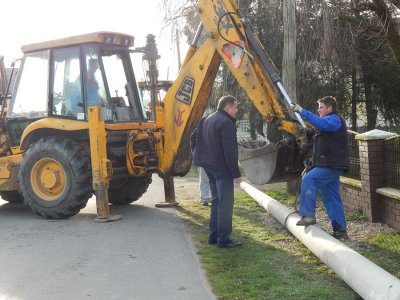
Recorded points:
(55, 178)
(12, 196)
(127, 190)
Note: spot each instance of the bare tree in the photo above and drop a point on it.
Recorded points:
(387, 14)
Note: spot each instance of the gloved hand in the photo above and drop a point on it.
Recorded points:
(297, 108)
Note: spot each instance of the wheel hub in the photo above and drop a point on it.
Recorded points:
(48, 178)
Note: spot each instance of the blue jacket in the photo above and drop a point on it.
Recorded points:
(214, 144)
(329, 123)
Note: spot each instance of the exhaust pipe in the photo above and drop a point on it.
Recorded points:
(364, 277)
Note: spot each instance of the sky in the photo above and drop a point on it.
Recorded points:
(31, 21)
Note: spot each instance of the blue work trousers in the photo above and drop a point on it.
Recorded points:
(221, 185)
(326, 180)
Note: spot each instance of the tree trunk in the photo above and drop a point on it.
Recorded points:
(354, 96)
(369, 104)
(369, 101)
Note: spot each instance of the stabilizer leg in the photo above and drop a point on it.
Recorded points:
(169, 191)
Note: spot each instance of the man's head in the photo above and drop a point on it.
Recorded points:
(229, 105)
(93, 65)
(326, 106)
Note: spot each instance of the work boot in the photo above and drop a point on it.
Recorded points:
(306, 221)
(340, 235)
(230, 244)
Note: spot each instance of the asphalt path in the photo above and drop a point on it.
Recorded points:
(146, 255)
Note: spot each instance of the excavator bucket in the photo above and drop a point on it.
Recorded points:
(271, 163)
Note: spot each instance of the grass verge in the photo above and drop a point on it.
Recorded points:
(383, 249)
(271, 264)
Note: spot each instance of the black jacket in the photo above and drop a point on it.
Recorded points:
(331, 149)
(214, 144)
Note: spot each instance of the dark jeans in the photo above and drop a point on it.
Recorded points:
(221, 185)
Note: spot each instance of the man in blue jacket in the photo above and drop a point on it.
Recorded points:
(214, 147)
(330, 159)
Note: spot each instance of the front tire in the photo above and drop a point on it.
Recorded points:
(127, 190)
(55, 178)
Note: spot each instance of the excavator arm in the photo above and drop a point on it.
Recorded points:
(230, 38)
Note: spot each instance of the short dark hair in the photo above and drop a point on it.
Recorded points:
(329, 101)
(224, 101)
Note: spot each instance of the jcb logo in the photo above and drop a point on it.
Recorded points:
(185, 91)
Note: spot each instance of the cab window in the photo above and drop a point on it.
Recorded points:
(31, 98)
(66, 89)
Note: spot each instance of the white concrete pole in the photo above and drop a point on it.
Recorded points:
(364, 277)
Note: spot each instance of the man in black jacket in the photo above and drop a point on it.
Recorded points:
(330, 159)
(214, 147)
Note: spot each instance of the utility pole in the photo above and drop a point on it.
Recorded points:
(289, 64)
(289, 48)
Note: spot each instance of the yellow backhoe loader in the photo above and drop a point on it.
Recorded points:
(76, 122)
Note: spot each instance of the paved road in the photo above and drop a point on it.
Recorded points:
(146, 255)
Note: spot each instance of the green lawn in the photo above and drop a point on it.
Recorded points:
(271, 264)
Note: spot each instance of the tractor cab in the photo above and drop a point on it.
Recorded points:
(62, 78)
